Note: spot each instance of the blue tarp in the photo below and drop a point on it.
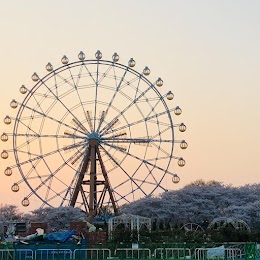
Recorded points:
(216, 251)
(60, 236)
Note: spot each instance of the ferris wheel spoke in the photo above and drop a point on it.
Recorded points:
(112, 100)
(48, 180)
(137, 158)
(123, 183)
(90, 74)
(138, 108)
(156, 184)
(30, 171)
(137, 91)
(118, 194)
(52, 174)
(56, 195)
(35, 177)
(51, 118)
(76, 156)
(71, 186)
(104, 113)
(146, 99)
(121, 197)
(37, 156)
(65, 94)
(67, 80)
(154, 107)
(143, 181)
(26, 144)
(66, 108)
(80, 100)
(137, 88)
(150, 173)
(77, 123)
(51, 179)
(48, 189)
(160, 158)
(130, 193)
(116, 109)
(27, 118)
(44, 183)
(159, 182)
(159, 123)
(96, 95)
(51, 107)
(135, 140)
(104, 75)
(138, 122)
(161, 132)
(98, 82)
(68, 136)
(126, 108)
(45, 96)
(161, 149)
(130, 82)
(28, 127)
(39, 107)
(120, 166)
(47, 109)
(133, 194)
(38, 104)
(79, 75)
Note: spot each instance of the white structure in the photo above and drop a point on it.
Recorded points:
(132, 222)
(221, 222)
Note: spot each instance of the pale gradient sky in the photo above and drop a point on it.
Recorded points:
(207, 53)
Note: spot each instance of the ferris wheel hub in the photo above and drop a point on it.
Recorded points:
(95, 136)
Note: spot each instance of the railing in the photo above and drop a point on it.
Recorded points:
(217, 253)
(43, 254)
(17, 254)
(142, 251)
(94, 253)
(172, 253)
(133, 253)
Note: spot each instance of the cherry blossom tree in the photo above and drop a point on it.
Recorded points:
(200, 202)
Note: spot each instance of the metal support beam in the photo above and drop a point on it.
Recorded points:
(93, 178)
(93, 204)
(108, 186)
(80, 178)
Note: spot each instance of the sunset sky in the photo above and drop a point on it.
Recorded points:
(207, 53)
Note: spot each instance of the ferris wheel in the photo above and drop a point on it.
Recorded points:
(93, 133)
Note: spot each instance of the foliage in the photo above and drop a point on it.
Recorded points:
(10, 213)
(57, 218)
(200, 202)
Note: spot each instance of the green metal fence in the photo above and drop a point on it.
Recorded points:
(121, 251)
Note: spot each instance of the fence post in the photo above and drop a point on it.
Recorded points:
(14, 247)
(184, 246)
(121, 254)
(205, 253)
(79, 247)
(164, 251)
